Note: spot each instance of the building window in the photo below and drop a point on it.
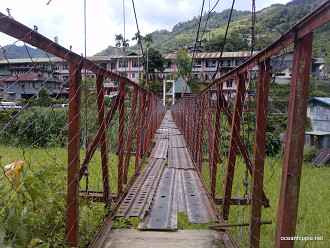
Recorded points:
(17, 85)
(206, 77)
(229, 84)
(104, 65)
(198, 64)
(123, 63)
(31, 85)
(133, 75)
(11, 97)
(210, 63)
(136, 63)
(318, 111)
(168, 64)
(65, 66)
(225, 63)
(238, 62)
(113, 65)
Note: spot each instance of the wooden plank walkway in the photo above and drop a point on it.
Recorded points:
(169, 184)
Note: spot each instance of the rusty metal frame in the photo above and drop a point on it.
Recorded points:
(294, 142)
(232, 150)
(301, 35)
(257, 193)
(73, 155)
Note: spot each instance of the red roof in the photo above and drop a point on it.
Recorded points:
(30, 77)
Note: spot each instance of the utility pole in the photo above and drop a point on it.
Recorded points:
(173, 92)
(164, 91)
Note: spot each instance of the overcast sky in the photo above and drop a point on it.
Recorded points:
(65, 18)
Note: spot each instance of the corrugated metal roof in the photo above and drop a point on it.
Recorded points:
(170, 56)
(28, 60)
(323, 157)
(321, 133)
(325, 100)
(214, 55)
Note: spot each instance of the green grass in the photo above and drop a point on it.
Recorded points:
(313, 209)
(47, 212)
(36, 211)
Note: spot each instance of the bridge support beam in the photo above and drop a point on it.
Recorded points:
(294, 142)
(103, 138)
(232, 150)
(121, 141)
(73, 155)
(259, 153)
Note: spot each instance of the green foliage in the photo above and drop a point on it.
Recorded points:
(309, 153)
(38, 127)
(155, 60)
(183, 62)
(45, 100)
(271, 22)
(234, 42)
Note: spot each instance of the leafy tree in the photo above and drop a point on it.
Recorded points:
(149, 39)
(45, 100)
(121, 42)
(156, 62)
(183, 61)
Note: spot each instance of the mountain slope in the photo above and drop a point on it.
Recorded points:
(19, 52)
(271, 22)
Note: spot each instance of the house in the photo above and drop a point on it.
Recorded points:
(27, 86)
(178, 85)
(282, 67)
(318, 111)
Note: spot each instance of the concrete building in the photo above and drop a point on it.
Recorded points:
(205, 67)
(282, 67)
(318, 111)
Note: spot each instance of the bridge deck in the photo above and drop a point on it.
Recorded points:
(169, 184)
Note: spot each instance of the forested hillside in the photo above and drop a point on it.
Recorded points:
(271, 22)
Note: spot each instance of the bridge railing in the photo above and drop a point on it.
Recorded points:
(234, 138)
(64, 163)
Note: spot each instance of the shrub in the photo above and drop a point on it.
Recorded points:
(309, 153)
(38, 127)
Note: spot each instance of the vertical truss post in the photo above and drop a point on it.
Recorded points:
(232, 150)
(294, 142)
(209, 129)
(201, 133)
(144, 124)
(196, 124)
(103, 138)
(215, 146)
(121, 141)
(149, 125)
(130, 134)
(259, 153)
(139, 129)
(73, 155)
